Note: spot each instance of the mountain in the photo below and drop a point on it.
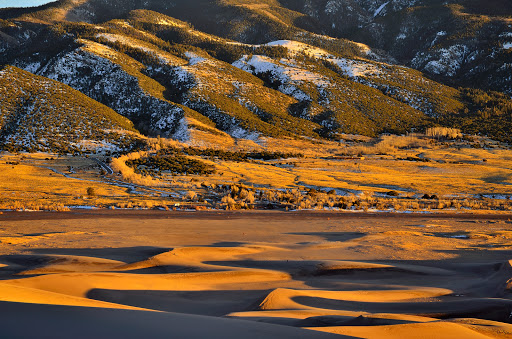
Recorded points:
(464, 42)
(273, 68)
(460, 42)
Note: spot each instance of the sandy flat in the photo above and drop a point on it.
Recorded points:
(157, 274)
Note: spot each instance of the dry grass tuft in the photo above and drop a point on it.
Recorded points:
(443, 132)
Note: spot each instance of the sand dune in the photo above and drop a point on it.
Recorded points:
(289, 277)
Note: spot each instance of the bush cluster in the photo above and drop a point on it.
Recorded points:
(244, 197)
(233, 156)
(175, 163)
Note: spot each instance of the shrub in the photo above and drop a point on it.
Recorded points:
(91, 192)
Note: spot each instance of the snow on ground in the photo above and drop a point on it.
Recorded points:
(97, 145)
(241, 133)
(352, 68)
(198, 67)
(296, 47)
(507, 45)
(194, 58)
(182, 132)
(284, 71)
(438, 35)
(32, 67)
(449, 60)
(377, 12)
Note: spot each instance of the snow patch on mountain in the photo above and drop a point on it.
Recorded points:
(436, 39)
(32, 67)
(193, 58)
(182, 132)
(283, 69)
(351, 67)
(379, 10)
(240, 133)
(295, 47)
(109, 84)
(332, 7)
(444, 61)
(355, 68)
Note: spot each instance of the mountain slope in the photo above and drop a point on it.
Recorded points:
(170, 78)
(461, 42)
(37, 113)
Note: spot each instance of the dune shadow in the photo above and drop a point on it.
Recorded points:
(39, 258)
(170, 269)
(22, 320)
(294, 267)
(481, 308)
(331, 236)
(478, 253)
(475, 279)
(338, 320)
(39, 234)
(212, 303)
(227, 244)
(136, 253)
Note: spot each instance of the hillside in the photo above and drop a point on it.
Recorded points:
(257, 69)
(39, 114)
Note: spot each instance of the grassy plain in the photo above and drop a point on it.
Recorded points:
(35, 182)
(395, 170)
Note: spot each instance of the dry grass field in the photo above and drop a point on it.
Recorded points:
(36, 182)
(390, 173)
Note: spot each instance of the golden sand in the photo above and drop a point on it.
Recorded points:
(275, 275)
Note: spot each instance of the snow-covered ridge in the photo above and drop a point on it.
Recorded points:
(284, 70)
(295, 47)
(351, 67)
